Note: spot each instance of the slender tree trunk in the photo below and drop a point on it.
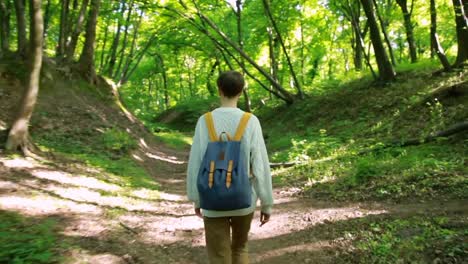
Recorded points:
(279, 90)
(138, 57)
(266, 4)
(384, 30)
(409, 29)
(70, 52)
(357, 46)
(386, 71)
(131, 54)
(86, 62)
(435, 44)
(248, 106)
(462, 32)
(272, 45)
(46, 21)
(18, 137)
(63, 28)
(103, 49)
(115, 43)
(21, 25)
(4, 26)
(125, 41)
(211, 89)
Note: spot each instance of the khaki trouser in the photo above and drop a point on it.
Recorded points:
(218, 239)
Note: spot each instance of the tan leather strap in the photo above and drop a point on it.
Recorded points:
(210, 126)
(229, 174)
(211, 174)
(242, 125)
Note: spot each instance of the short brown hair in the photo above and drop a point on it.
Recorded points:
(231, 83)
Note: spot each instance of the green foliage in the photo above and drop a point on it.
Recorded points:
(118, 140)
(28, 240)
(340, 133)
(415, 240)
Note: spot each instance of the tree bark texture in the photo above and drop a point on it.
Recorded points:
(21, 26)
(86, 62)
(18, 137)
(384, 31)
(409, 29)
(115, 44)
(386, 71)
(65, 10)
(125, 41)
(4, 26)
(240, 40)
(435, 43)
(462, 31)
(71, 47)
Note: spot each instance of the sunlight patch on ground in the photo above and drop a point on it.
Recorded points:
(172, 197)
(18, 163)
(169, 159)
(289, 220)
(146, 194)
(45, 205)
(295, 249)
(166, 229)
(80, 256)
(6, 185)
(77, 180)
(85, 226)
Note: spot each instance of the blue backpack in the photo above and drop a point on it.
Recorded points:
(223, 181)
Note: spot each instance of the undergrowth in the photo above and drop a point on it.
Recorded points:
(28, 240)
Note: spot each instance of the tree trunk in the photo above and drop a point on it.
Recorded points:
(462, 32)
(386, 71)
(279, 90)
(409, 29)
(63, 29)
(86, 62)
(435, 44)
(238, 12)
(384, 30)
(21, 25)
(209, 86)
(71, 47)
(266, 5)
(18, 137)
(125, 41)
(103, 48)
(46, 22)
(115, 43)
(4, 27)
(131, 54)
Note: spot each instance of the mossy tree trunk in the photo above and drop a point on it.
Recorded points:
(18, 137)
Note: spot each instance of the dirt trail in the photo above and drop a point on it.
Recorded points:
(105, 225)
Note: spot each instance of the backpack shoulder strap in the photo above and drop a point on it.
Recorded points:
(210, 126)
(242, 125)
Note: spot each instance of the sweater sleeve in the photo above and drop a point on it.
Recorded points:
(194, 163)
(261, 168)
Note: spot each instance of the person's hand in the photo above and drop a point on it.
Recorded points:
(264, 218)
(198, 212)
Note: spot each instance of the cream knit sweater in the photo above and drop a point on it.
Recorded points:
(226, 119)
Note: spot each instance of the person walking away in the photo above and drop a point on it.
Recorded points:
(218, 163)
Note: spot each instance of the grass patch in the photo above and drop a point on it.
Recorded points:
(175, 139)
(418, 239)
(28, 240)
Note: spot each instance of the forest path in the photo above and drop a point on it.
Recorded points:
(107, 223)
